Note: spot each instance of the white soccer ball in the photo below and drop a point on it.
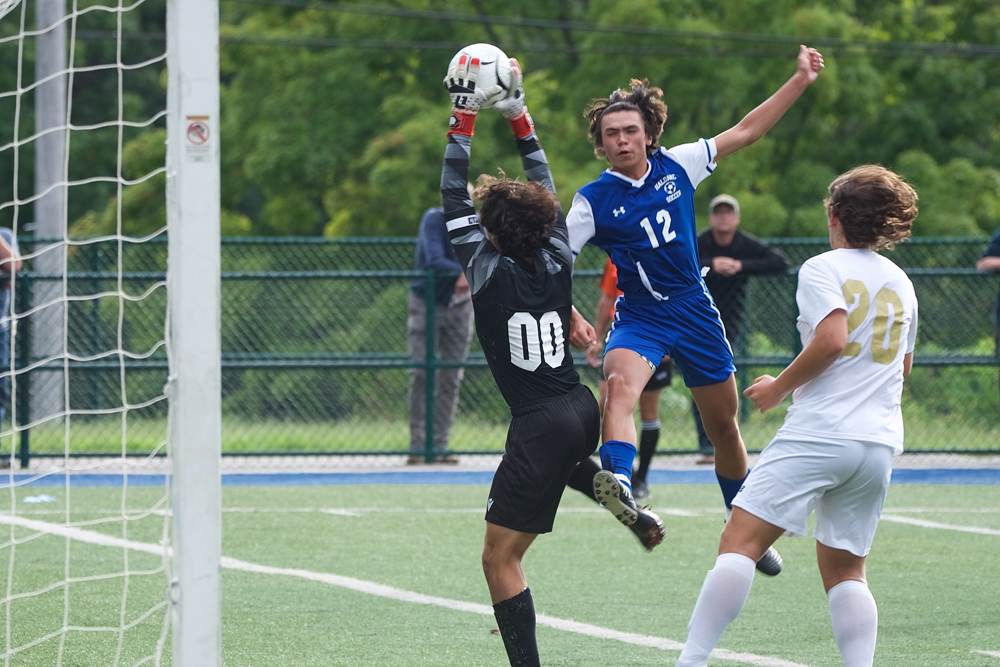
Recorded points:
(494, 69)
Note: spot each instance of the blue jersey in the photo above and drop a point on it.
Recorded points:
(647, 226)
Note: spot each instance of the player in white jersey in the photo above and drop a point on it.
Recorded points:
(858, 322)
(641, 212)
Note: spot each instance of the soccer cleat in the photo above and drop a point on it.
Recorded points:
(640, 489)
(770, 563)
(648, 528)
(610, 493)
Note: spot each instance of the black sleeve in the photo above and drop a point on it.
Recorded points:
(476, 254)
(536, 168)
(704, 256)
(762, 258)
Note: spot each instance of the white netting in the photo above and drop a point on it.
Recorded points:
(84, 429)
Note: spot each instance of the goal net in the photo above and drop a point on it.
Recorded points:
(108, 371)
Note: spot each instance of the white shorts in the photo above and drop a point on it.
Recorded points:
(845, 482)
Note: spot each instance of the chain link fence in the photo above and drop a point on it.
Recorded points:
(315, 351)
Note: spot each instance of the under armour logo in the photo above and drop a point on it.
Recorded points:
(619, 211)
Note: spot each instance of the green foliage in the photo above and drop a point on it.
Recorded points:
(333, 116)
(346, 141)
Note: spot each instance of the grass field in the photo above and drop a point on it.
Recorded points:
(936, 586)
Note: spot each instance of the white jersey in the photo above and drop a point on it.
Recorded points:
(858, 397)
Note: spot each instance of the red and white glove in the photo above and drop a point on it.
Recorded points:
(466, 97)
(512, 106)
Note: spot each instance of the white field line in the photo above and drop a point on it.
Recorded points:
(357, 511)
(995, 654)
(943, 526)
(391, 593)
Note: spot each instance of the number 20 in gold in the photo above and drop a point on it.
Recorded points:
(882, 324)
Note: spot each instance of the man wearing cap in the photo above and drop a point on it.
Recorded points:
(729, 256)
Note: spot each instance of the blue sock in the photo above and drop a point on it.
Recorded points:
(617, 456)
(730, 487)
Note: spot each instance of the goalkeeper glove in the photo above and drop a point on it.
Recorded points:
(512, 106)
(461, 85)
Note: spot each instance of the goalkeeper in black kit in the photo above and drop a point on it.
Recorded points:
(517, 259)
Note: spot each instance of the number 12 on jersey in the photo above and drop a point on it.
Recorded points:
(662, 217)
(533, 340)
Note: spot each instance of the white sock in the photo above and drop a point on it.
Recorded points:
(725, 591)
(855, 622)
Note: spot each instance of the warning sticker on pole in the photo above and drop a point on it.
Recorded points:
(198, 139)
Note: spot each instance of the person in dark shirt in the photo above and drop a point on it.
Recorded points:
(730, 256)
(452, 335)
(517, 259)
(990, 261)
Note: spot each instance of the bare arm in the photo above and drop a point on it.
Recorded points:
(602, 315)
(581, 333)
(602, 319)
(824, 349)
(907, 364)
(985, 264)
(756, 123)
(10, 261)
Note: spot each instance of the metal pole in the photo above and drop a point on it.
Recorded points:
(50, 210)
(430, 364)
(194, 342)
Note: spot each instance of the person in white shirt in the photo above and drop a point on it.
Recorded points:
(858, 322)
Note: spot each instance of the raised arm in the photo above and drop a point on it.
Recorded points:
(536, 165)
(756, 123)
(460, 217)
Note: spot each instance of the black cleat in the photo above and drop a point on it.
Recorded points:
(770, 563)
(640, 489)
(610, 493)
(648, 528)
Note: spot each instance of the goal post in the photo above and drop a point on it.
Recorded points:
(194, 343)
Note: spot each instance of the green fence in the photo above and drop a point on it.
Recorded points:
(315, 354)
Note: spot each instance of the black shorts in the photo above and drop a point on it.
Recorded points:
(662, 376)
(545, 441)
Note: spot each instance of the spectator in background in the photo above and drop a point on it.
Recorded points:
(728, 256)
(10, 262)
(990, 261)
(452, 335)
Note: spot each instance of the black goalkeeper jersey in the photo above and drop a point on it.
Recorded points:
(522, 310)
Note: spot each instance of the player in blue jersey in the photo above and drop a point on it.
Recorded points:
(641, 212)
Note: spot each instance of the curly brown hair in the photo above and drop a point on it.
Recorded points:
(518, 215)
(875, 206)
(640, 97)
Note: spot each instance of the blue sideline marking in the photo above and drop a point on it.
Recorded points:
(464, 477)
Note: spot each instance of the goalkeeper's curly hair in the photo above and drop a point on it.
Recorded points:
(875, 206)
(639, 97)
(518, 215)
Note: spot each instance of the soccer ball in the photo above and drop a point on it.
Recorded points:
(494, 69)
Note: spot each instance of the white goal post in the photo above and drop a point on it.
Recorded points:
(194, 345)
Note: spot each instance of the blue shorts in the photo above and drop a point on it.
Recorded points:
(690, 330)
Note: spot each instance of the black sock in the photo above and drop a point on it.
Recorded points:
(647, 447)
(516, 619)
(582, 477)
